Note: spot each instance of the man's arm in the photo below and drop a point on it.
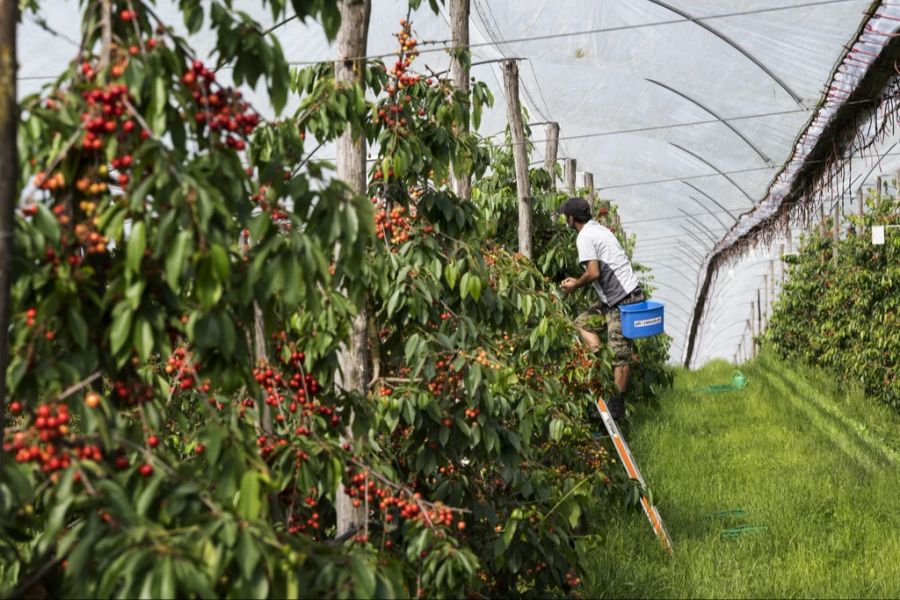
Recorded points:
(590, 275)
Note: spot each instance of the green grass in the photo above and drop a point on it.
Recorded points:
(819, 469)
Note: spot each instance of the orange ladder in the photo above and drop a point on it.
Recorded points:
(631, 468)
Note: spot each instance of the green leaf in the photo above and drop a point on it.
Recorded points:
(363, 577)
(175, 262)
(249, 504)
(143, 338)
(137, 243)
(120, 330)
(78, 328)
(248, 554)
(557, 426)
(47, 224)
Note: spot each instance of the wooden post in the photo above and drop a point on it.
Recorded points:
(790, 241)
(459, 73)
(589, 184)
(569, 175)
(353, 357)
(758, 313)
(771, 284)
(514, 114)
(861, 199)
(551, 149)
(752, 349)
(766, 305)
(9, 14)
(752, 320)
(836, 232)
(781, 252)
(822, 219)
(878, 192)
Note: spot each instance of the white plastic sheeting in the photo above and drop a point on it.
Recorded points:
(683, 110)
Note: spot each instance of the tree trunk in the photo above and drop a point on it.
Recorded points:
(354, 372)
(569, 175)
(8, 180)
(550, 152)
(459, 73)
(520, 155)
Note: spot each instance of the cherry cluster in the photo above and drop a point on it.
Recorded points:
(288, 387)
(180, 365)
(393, 226)
(276, 213)
(44, 441)
(446, 382)
(402, 505)
(222, 109)
(310, 520)
(393, 112)
(133, 391)
(107, 114)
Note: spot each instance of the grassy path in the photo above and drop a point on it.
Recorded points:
(819, 470)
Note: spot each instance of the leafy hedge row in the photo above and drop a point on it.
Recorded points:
(844, 314)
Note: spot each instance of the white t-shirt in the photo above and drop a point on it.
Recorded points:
(617, 278)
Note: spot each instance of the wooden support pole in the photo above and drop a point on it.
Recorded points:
(781, 252)
(589, 184)
(836, 232)
(9, 164)
(459, 73)
(822, 219)
(861, 199)
(766, 305)
(551, 150)
(353, 357)
(759, 313)
(752, 348)
(771, 284)
(514, 114)
(569, 175)
(878, 192)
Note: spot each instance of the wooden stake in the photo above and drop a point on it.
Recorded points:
(752, 348)
(459, 73)
(589, 184)
(758, 313)
(514, 114)
(781, 252)
(353, 356)
(9, 115)
(878, 192)
(766, 306)
(569, 175)
(822, 219)
(550, 152)
(772, 284)
(860, 198)
(836, 232)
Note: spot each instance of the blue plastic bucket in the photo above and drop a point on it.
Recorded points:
(642, 319)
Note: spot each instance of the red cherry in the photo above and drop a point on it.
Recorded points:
(145, 470)
(153, 441)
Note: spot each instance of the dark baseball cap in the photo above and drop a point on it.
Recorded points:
(577, 208)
